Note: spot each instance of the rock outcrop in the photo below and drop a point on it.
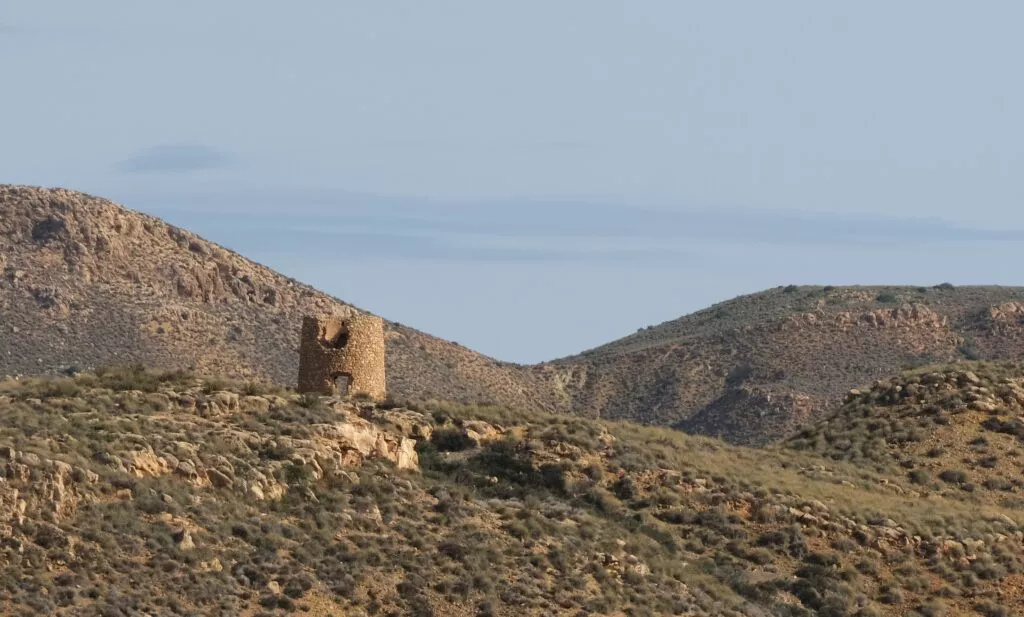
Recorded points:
(1005, 318)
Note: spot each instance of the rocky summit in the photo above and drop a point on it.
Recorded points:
(130, 492)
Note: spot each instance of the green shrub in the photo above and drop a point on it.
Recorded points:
(310, 400)
(968, 350)
(953, 476)
(920, 476)
(991, 609)
(451, 440)
(890, 594)
(933, 608)
(998, 484)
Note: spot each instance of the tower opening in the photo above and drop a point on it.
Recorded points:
(341, 381)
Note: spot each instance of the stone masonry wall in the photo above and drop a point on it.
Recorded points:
(331, 347)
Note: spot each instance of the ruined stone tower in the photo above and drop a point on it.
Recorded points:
(336, 351)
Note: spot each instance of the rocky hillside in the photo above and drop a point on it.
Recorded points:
(85, 282)
(134, 493)
(948, 430)
(756, 368)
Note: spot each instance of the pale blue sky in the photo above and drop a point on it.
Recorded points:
(535, 178)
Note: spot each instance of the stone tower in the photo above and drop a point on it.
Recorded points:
(333, 349)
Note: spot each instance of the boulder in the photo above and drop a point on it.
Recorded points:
(481, 432)
(254, 404)
(143, 463)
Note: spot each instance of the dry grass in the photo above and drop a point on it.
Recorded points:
(512, 513)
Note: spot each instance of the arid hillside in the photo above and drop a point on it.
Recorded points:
(948, 430)
(133, 493)
(754, 369)
(85, 282)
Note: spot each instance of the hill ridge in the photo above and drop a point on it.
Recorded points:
(714, 371)
(85, 282)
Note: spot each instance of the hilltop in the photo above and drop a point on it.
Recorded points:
(758, 367)
(948, 430)
(130, 493)
(85, 282)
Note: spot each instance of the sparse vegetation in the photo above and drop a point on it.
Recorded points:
(85, 283)
(130, 492)
(806, 348)
(535, 514)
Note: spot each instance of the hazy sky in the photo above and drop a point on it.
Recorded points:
(535, 178)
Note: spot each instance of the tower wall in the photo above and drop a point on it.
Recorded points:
(332, 347)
